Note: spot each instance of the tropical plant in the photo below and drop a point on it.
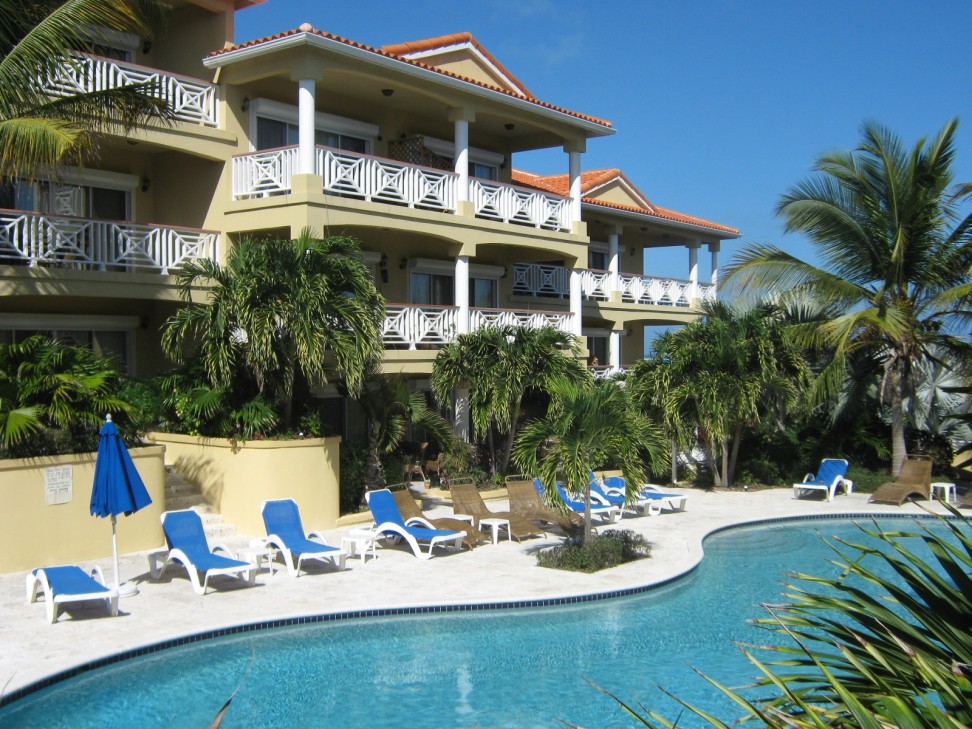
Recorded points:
(720, 375)
(283, 314)
(38, 38)
(499, 366)
(53, 397)
(885, 644)
(390, 408)
(588, 424)
(896, 251)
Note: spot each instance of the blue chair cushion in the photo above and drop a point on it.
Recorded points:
(71, 580)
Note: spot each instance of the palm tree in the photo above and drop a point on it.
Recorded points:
(48, 386)
(719, 375)
(286, 312)
(587, 425)
(499, 366)
(38, 132)
(896, 252)
(390, 408)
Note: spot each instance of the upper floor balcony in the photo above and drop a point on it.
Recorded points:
(377, 179)
(61, 241)
(535, 279)
(191, 100)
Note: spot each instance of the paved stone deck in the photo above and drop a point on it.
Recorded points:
(31, 649)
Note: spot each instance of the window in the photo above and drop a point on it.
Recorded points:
(597, 260)
(83, 201)
(432, 288)
(114, 344)
(483, 171)
(482, 293)
(598, 348)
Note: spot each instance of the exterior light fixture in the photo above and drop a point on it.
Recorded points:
(387, 92)
(509, 127)
(146, 184)
(245, 106)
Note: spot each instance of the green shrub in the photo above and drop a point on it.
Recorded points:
(614, 547)
(352, 486)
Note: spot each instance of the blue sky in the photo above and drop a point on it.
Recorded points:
(719, 106)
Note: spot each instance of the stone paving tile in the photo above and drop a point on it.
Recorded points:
(31, 649)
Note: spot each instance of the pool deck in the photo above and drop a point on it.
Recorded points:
(32, 649)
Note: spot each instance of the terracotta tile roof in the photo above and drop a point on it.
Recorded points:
(591, 179)
(455, 39)
(306, 28)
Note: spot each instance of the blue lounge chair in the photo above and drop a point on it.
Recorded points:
(186, 539)
(609, 512)
(829, 478)
(613, 497)
(67, 584)
(651, 498)
(389, 521)
(285, 532)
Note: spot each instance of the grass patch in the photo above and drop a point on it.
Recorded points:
(613, 547)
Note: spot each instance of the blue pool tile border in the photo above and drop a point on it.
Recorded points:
(56, 678)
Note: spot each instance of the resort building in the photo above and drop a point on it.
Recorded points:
(409, 148)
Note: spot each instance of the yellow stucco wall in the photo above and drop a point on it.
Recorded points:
(236, 477)
(34, 534)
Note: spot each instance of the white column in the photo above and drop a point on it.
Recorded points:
(614, 265)
(576, 300)
(714, 252)
(461, 288)
(305, 126)
(693, 270)
(575, 186)
(462, 159)
(614, 350)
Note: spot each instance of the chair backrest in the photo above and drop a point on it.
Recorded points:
(524, 499)
(917, 472)
(184, 530)
(830, 469)
(383, 507)
(407, 506)
(282, 517)
(466, 499)
(614, 482)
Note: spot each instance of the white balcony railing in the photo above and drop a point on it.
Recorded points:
(264, 173)
(606, 372)
(536, 279)
(35, 239)
(191, 100)
(425, 325)
(512, 204)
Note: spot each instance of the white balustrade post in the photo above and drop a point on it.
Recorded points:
(714, 252)
(614, 351)
(576, 300)
(462, 293)
(305, 126)
(574, 150)
(614, 266)
(693, 249)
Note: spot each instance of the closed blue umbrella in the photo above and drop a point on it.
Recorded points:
(118, 489)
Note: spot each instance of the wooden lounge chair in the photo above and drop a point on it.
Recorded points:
(466, 499)
(410, 510)
(525, 503)
(914, 482)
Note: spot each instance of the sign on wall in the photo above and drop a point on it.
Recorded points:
(58, 484)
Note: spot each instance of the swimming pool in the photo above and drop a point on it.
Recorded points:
(510, 668)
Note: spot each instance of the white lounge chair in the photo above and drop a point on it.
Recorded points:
(829, 478)
(285, 532)
(651, 498)
(188, 546)
(389, 521)
(69, 584)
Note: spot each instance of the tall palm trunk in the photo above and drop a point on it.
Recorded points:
(899, 449)
(374, 472)
(510, 437)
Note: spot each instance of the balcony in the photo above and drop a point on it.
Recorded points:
(191, 100)
(606, 372)
(60, 241)
(412, 325)
(534, 279)
(365, 177)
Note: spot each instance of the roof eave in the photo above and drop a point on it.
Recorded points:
(718, 233)
(590, 128)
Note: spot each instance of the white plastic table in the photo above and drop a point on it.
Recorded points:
(259, 551)
(495, 525)
(360, 542)
(947, 488)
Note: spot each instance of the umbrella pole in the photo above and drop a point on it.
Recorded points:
(128, 589)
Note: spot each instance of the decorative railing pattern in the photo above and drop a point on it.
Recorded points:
(707, 292)
(384, 180)
(483, 318)
(191, 100)
(414, 325)
(596, 284)
(606, 372)
(35, 239)
(538, 279)
(264, 173)
(512, 204)
(655, 291)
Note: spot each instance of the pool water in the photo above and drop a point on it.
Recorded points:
(509, 668)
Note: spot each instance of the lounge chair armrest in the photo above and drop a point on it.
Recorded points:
(419, 521)
(317, 536)
(223, 548)
(808, 478)
(98, 575)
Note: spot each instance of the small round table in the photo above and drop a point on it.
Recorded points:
(360, 542)
(495, 525)
(947, 488)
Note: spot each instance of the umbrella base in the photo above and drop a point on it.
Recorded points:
(127, 589)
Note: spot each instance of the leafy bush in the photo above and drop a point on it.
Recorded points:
(352, 486)
(614, 547)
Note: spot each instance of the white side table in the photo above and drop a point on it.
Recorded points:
(259, 551)
(360, 542)
(947, 488)
(495, 525)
